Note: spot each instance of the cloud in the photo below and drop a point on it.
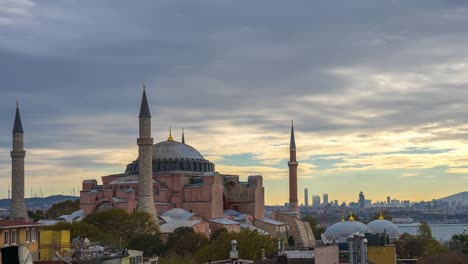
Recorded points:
(405, 175)
(370, 86)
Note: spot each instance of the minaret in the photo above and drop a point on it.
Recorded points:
(18, 209)
(292, 163)
(145, 160)
(183, 137)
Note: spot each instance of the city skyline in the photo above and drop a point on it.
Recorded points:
(379, 102)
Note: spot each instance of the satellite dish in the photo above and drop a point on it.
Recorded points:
(24, 255)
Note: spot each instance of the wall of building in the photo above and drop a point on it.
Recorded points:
(32, 245)
(327, 255)
(300, 230)
(53, 241)
(382, 255)
(278, 231)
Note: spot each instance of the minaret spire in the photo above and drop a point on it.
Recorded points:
(145, 160)
(292, 142)
(18, 208)
(144, 108)
(183, 137)
(293, 206)
(18, 126)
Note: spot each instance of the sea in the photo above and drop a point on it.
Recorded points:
(441, 232)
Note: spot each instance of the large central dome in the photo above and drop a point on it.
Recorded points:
(175, 150)
(171, 155)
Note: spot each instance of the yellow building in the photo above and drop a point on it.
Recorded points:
(15, 233)
(53, 242)
(382, 254)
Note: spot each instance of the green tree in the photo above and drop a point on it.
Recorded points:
(249, 245)
(460, 243)
(424, 230)
(184, 241)
(62, 208)
(409, 246)
(316, 228)
(115, 228)
(150, 244)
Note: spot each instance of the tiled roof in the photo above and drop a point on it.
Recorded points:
(13, 223)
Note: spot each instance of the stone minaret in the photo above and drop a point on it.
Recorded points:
(292, 163)
(18, 209)
(145, 160)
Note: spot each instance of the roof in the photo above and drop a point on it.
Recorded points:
(170, 227)
(14, 223)
(253, 228)
(382, 226)
(235, 215)
(177, 214)
(18, 126)
(341, 230)
(144, 108)
(271, 221)
(175, 150)
(75, 216)
(223, 221)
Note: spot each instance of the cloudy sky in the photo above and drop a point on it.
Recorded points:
(378, 90)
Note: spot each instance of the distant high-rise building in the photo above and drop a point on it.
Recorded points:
(388, 200)
(325, 198)
(315, 200)
(362, 200)
(336, 202)
(306, 197)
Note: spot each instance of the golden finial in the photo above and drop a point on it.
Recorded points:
(381, 216)
(351, 218)
(170, 138)
(342, 218)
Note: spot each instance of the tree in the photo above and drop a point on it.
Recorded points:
(249, 245)
(409, 246)
(424, 230)
(36, 215)
(184, 241)
(316, 228)
(114, 228)
(150, 244)
(62, 208)
(460, 243)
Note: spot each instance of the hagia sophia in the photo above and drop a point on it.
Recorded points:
(174, 182)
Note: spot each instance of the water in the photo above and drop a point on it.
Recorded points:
(442, 232)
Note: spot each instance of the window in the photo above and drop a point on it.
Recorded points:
(7, 237)
(28, 235)
(33, 234)
(14, 237)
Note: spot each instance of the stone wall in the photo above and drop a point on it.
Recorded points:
(300, 230)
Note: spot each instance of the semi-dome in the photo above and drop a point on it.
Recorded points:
(341, 230)
(381, 226)
(175, 150)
